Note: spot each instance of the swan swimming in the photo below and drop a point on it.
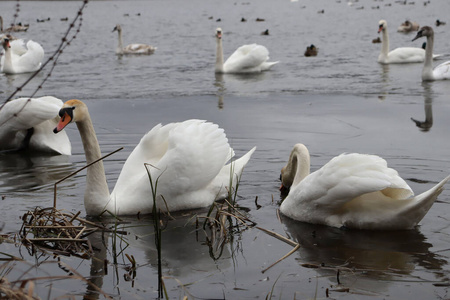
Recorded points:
(188, 158)
(353, 191)
(251, 58)
(131, 48)
(19, 59)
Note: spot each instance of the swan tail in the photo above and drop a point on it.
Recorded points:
(268, 65)
(422, 203)
(240, 163)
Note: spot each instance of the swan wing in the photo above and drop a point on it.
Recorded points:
(442, 71)
(185, 157)
(347, 177)
(406, 55)
(31, 60)
(139, 49)
(247, 57)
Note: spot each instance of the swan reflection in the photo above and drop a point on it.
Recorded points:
(428, 100)
(368, 255)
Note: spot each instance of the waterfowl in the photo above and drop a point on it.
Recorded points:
(440, 23)
(408, 26)
(376, 41)
(311, 50)
(14, 28)
(353, 191)
(251, 58)
(265, 32)
(27, 124)
(187, 158)
(440, 72)
(20, 59)
(398, 55)
(132, 48)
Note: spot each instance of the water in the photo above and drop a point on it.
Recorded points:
(340, 101)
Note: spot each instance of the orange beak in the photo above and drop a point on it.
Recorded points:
(380, 28)
(63, 122)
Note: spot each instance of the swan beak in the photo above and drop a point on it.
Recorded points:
(380, 28)
(419, 34)
(66, 118)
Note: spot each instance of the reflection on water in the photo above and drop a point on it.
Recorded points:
(367, 255)
(428, 100)
(24, 171)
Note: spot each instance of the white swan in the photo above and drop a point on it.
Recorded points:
(246, 59)
(27, 123)
(188, 158)
(20, 59)
(398, 55)
(132, 48)
(440, 72)
(408, 26)
(352, 190)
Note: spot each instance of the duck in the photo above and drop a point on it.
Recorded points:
(376, 41)
(252, 58)
(440, 23)
(132, 48)
(188, 160)
(398, 55)
(440, 72)
(19, 58)
(352, 190)
(26, 124)
(14, 28)
(408, 26)
(265, 32)
(311, 50)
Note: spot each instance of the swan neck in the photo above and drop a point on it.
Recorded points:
(428, 65)
(298, 166)
(97, 193)
(120, 46)
(385, 44)
(7, 64)
(219, 56)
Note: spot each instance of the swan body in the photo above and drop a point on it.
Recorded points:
(440, 72)
(251, 58)
(28, 123)
(132, 48)
(408, 26)
(19, 59)
(354, 191)
(188, 159)
(398, 55)
(13, 28)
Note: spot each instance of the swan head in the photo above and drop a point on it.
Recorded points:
(297, 168)
(71, 111)
(117, 28)
(382, 25)
(424, 31)
(5, 42)
(219, 33)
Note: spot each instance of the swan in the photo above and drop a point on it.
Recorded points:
(13, 28)
(408, 26)
(188, 158)
(20, 59)
(311, 50)
(440, 72)
(132, 48)
(398, 55)
(246, 59)
(354, 191)
(27, 123)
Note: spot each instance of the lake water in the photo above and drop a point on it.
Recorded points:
(340, 101)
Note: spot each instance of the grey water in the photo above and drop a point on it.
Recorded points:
(340, 101)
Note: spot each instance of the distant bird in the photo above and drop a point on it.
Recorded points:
(243, 20)
(14, 28)
(408, 26)
(42, 20)
(376, 41)
(251, 58)
(131, 48)
(321, 11)
(260, 20)
(311, 50)
(64, 19)
(439, 23)
(219, 20)
(265, 32)
(440, 72)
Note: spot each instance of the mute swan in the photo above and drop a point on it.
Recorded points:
(311, 50)
(408, 26)
(132, 48)
(440, 72)
(246, 59)
(188, 158)
(20, 59)
(352, 190)
(13, 28)
(398, 55)
(28, 123)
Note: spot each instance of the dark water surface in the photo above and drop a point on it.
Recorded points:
(340, 101)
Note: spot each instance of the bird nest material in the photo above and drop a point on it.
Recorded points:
(57, 231)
